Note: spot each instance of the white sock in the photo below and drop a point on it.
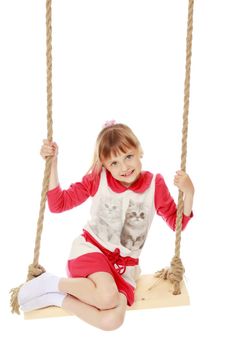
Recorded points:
(49, 299)
(45, 283)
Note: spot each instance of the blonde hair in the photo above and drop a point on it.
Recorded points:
(111, 141)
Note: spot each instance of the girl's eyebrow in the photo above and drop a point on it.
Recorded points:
(130, 153)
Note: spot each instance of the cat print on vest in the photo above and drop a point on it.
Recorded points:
(108, 220)
(134, 231)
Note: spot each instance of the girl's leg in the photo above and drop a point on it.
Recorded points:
(98, 289)
(103, 319)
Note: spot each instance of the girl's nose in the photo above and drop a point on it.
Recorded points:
(123, 167)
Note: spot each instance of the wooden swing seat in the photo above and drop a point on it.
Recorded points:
(159, 296)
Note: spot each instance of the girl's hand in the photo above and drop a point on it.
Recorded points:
(184, 183)
(49, 149)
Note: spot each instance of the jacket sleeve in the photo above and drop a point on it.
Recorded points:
(60, 200)
(165, 205)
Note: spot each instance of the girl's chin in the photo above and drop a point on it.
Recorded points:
(127, 181)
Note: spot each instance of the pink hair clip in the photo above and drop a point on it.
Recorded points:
(109, 123)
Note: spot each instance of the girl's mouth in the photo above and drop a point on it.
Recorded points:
(128, 174)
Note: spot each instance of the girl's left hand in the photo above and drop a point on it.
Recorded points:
(183, 182)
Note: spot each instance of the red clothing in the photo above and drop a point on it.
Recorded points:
(90, 256)
(60, 200)
(110, 262)
(87, 264)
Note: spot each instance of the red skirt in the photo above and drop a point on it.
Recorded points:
(103, 261)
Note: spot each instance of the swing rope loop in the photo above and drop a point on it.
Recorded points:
(35, 269)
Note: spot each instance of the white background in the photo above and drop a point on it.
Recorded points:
(120, 60)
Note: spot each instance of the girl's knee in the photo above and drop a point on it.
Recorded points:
(112, 320)
(107, 295)
(109, 299)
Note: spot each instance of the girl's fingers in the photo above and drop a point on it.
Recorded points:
(180, 172)
(48, 149)
(46, 142)
(49, 143)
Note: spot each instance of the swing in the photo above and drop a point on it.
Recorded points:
(153, 290)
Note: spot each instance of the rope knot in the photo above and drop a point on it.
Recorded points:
(177, 270)
(174, 274)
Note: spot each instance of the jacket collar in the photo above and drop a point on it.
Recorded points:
(139, 186)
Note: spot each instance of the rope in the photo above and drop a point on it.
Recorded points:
(176, 271)
(35, 269)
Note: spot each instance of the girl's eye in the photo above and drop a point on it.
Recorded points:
(114, 164)
(129, 156)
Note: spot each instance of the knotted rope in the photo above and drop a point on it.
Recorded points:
(176, 271)
(35, 269)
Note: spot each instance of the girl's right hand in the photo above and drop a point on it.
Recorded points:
(49, 149)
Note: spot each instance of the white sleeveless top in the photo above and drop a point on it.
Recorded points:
(121, 220)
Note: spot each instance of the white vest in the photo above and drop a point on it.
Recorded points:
(121, 220)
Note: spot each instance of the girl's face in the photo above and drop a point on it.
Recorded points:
(125, 168)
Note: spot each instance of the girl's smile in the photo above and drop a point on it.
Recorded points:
(128, 174)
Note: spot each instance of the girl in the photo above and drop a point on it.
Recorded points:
(103, 265)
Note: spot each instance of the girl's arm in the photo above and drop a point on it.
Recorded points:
(184, 183)
(60, 200)
(166, 207)
(53, 180)
(188, 204)
(50, 149)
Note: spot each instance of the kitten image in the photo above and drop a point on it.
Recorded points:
(108, 222)
(134, 231)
